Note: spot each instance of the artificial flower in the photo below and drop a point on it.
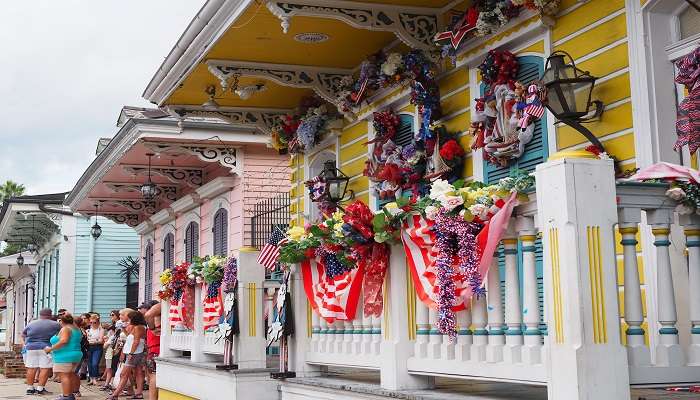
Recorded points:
(449, 203)
(441, 188)
(393, 208)
(676, 193)
(431, 212)
(296, 233)
(479, 210)
(392, 64)
(451, 150)
(467, 215)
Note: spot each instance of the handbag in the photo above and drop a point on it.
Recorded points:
(117, 375)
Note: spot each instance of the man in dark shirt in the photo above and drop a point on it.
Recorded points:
(36, 337)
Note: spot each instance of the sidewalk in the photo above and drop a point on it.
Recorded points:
(15, 389)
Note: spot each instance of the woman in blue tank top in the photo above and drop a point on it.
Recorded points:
(66, 352)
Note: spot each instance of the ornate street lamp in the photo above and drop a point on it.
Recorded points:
(336, 184)
(569, 92)
(96, 229)
(149, 189)
(20, 260)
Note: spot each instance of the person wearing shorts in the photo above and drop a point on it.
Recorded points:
(36, 336)
(134, 353)
(65, 348)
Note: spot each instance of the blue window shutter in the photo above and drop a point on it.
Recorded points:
(148, 267)
(536, 152)
(404, 136)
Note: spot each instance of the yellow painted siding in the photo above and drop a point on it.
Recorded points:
(168, 395)
(613, 120)
(584, 16)
(455, 102)
(453, 80)
(535, 48)
(355, 131)
(596, 38)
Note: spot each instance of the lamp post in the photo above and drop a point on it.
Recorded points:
(96, 230)
(569, 92)
(336, 184)
(149, 189)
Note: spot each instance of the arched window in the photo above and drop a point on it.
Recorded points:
(169, 251)
(148, 272)
(191, 241)
(220, 232)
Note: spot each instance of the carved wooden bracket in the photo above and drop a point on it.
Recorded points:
(414, 26)
(260, 119)
(123, 218)
(227, 156)
(190, 176)
(163, 192)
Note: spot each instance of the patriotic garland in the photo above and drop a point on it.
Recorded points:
(305, 127)
(688, 120)
(504, 118)
(450, 236)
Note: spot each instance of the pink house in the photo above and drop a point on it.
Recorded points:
(209, 173)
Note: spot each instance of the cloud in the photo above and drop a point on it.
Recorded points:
(67, 69)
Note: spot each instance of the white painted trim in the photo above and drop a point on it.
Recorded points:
(350, 143)
(361, 156)
(309, 161)
(162, 217)
(186, 203)
(600, 51)
(454, 92)
(216, 186)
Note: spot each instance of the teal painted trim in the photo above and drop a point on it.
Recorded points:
(375, 331)
(635, 331)
(481, 332)
(434, 331)
(340, 332)
(528, 249)
(464, 332)
(693, 243)
(366, 331)
(423, 332)
(662, 243)
(496, 332)
(668, 331)
(532, 332)
(629, 242)
(323, 331)
(510, 251)
(514, 332)
(315, 331)
(695, 330)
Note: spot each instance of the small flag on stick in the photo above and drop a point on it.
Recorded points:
(270, 253)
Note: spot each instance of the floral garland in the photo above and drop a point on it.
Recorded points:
(209, 270)
(459, 212)
(504, 119)
(451, 153)
(688, 116)
(174, 281)
(343, 241)
(305, 128)
(230, 278)
(486, 17)
(382, 71)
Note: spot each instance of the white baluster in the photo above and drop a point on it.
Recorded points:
(315, 331)
(480, 333)
(668, 350)
(435, 338)
(348, 336)
(692, 234)
(337, 337)
(464, 338)
(422, 329)
(323, 336)
(376, 334)
(366, 334)
(358, 327)
(637, 351)
(496, 339)
(532, 349)
(514, 317)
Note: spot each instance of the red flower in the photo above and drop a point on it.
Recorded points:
(593, 149)
(451, 150)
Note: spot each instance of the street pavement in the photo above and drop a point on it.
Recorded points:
(14, 389)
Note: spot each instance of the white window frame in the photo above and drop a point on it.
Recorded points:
(313, 165)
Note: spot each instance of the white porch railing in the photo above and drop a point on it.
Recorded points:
(502, 337)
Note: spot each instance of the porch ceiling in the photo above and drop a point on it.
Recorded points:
(257, 36)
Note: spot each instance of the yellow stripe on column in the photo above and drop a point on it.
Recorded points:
(556, 285)
(411, 303)
(252, 323)
(595, 276)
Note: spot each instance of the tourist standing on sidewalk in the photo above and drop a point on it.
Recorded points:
(95, 337)
(153, 344)
(36, 336)
(111, 356)
(135, 356)
(65, 348)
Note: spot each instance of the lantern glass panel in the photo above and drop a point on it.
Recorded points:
(570, 98)
(148, 190)
(20, 260)
(96, 231)
(336, 189)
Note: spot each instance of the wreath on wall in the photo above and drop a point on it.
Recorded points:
(504, 118)
(304, 128)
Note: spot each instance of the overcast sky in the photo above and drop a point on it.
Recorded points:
(66, 69)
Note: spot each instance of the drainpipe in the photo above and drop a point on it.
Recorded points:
(91, 272)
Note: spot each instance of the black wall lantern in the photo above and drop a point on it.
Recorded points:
(96, 230)
(336, 183)
(149, 189)
(569, 92)
(20, 260)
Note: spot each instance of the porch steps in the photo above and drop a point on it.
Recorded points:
(365, 386)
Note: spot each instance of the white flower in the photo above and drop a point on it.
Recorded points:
(682, 209)
(441, 188)
(393, 209)
(431, 212)
(479, 210)
(449, 203)
(676, 193)
(392, 63)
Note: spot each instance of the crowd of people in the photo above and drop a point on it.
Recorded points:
(72, 348)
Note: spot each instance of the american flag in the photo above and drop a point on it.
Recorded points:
(271, 251)
(213, 309)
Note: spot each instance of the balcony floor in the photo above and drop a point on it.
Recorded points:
(367, 383)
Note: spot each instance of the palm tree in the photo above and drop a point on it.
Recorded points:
(10, 189)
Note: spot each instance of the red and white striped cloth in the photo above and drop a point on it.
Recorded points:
(336, 298)
(213, 308)
(181, 312)
(419, 243)
(174, 313)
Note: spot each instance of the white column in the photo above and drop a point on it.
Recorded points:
(637, 351)
(514, 318)
(464, 338)
(576, 205)
(299, 343)
(692, 234)
(251, 342)
(166, 332)
(422, 329)
(480, 333)
(668, 351)
(532, 348)
(434, 337)
(396, 347)
(198, 332)
(496, 337)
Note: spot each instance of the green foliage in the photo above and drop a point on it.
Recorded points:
(10, 248)
(10, 189)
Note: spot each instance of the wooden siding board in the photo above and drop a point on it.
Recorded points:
(596, 38)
